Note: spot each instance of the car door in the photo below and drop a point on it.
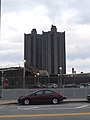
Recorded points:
(48, 95)
(38, 97)
(43, 96)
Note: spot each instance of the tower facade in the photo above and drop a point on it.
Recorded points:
(45, 51)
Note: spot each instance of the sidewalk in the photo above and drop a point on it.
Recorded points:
(7, 102)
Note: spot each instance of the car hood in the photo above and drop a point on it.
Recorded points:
(21, 97)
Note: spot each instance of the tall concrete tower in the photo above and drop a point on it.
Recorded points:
(45, 51)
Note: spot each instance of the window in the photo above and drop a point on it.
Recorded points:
(39, 92)
(48, 92)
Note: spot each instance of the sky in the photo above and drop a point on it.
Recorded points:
(21, 16)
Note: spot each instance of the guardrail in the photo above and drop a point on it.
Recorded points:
(13, 94)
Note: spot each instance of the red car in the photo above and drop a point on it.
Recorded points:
(42, 96)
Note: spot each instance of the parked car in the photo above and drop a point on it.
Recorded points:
(88, 97)
(35, 86)
(81, 86)
(52, 85)
(85, 85)
(70, 86)
(38, 86)
(42, 96)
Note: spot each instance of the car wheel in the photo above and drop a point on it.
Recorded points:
(26, 102)
(55, 101)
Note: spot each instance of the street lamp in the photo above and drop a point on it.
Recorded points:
(35, 79)
(58, 79)
(38, 78)
(24, 61)
(48, 79)
(60, 68)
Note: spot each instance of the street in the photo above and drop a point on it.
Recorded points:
(63, 111)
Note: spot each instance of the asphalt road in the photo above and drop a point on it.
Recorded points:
(63, 111)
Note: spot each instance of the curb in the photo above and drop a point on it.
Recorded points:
(8, 102)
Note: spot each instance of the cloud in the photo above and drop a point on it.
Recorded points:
(16, 6)
(79, 44)
(77, 8)
(83, 11)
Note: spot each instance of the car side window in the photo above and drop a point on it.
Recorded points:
(48, 92)
(39, 93)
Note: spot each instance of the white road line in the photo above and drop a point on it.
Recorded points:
(83, 106)
(54, 108)
(42, 108)
(48, 107)
(27, 108)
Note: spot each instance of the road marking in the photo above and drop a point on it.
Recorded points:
(39, 108)
(45, 115)
(81, 106)
(42, 107)
(48, 107)
(28, 108)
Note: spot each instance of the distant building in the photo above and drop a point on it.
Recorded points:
(45, 51)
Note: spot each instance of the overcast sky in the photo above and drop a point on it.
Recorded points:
(21, 16)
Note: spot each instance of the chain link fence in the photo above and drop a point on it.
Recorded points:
(42, 81)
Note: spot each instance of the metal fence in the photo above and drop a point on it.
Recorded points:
(17, 82)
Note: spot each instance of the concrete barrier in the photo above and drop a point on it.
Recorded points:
(13, 94)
